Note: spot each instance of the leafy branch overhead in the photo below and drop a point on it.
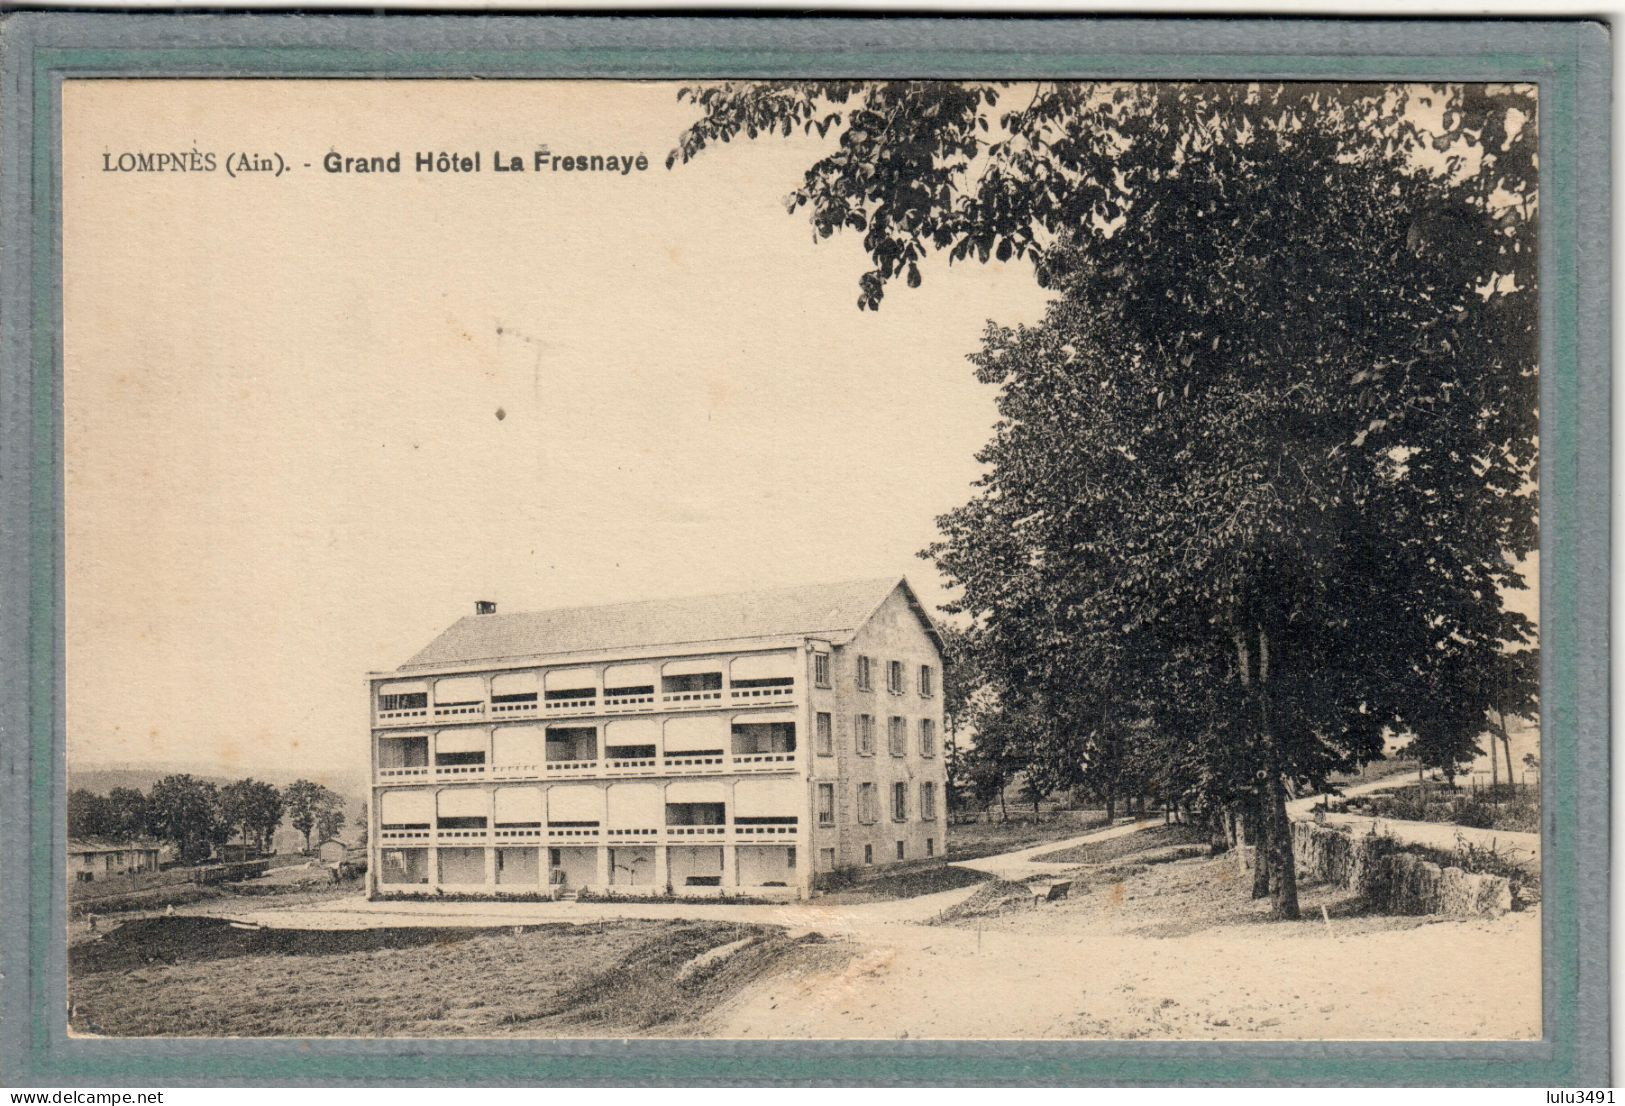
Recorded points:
(1003, 170)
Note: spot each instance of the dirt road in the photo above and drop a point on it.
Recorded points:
(1523, 848)
(1164, 951)
(1174, 952)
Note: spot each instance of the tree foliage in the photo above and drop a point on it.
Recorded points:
(1264, 472)
(253, 809)
(311, 808)
(185, 811)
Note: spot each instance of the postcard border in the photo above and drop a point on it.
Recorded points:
(1569, 59)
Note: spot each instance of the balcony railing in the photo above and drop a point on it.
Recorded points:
(762, 762)
(635, 766)
(691, 698)
(756, 694)
(674, 764)
(590, 835)
(771, 829)
(459, 710)
(679, 763)
(596, 703)
(576, 705)
(642, 701)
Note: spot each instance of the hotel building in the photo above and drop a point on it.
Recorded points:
(740, 744)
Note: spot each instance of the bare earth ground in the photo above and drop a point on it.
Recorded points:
(1173, 949)
(190, 976)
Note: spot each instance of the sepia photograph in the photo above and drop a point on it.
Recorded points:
(800, 560)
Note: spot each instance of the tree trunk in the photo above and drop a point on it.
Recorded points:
(1259, 828)
(1284, 878)
(1284, 901)
(1506, 746)
(1111, 810)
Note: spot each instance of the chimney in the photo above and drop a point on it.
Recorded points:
(484, 606)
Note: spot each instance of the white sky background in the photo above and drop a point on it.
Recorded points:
(285, 467)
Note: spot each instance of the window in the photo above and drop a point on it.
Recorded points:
(826, 860)
(824, 735)
(866, 803)
(868, 854)
(865, 678)
(865, 724)
(826, 804)
(900, 853)
(415, 700)
(928, 801)
(930, 846)
(821, 669)
(897, 736)
(894, 677)
(928, 737)
(899, 802)
(925, 681)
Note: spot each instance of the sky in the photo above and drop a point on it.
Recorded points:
(311, 418)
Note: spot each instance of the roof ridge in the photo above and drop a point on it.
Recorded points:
(697, 596)
(787, 609)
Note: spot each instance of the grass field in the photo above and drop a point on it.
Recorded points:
(906, 885)
(969, 840)
(186, 976)
(1114, 848)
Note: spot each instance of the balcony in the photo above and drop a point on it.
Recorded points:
(676, 764)
(623, 700)
(755, 833)
(686, 694)
(611, 767)
(516, 707)
(762, 762)
(571, 768)
(516, 771)
(464, 712)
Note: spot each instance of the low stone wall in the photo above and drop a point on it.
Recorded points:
(1392, 880)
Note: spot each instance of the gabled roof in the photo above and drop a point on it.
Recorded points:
(103, 845)
(834, 611)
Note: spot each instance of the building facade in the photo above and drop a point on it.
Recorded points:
(93, 860)
(726, 745)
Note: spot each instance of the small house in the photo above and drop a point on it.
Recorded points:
(96, 859)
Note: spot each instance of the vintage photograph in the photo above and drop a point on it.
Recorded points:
(812, 560)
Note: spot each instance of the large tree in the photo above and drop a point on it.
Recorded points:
(89, 814)
(186, 812)
(1266, 468)
(311, 807)
(254, 809)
